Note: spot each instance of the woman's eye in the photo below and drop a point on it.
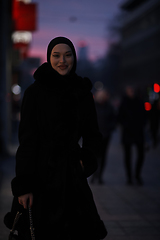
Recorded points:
(56, 56)
(68, 54)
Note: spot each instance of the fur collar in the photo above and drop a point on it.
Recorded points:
(47, 76)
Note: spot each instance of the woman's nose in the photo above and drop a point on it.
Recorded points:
(62, 58)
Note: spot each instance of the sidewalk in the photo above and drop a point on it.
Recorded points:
(129, 212)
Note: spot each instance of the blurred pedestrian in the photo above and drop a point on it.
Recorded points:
(132, 119)
(51, 168)
(106, 120)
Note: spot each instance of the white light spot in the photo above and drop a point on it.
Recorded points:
(16, 89)
(21, 37)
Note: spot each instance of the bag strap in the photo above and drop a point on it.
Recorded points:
(18, 214)
(31, 224)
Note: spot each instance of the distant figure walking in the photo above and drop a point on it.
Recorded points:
(106, 120)
(132, 119)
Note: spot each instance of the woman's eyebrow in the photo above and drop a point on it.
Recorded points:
(65, 52)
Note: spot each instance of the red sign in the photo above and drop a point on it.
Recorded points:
(24, 16)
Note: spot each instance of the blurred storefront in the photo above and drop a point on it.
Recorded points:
(18, 21)
(5, 72)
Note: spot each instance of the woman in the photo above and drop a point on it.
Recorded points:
(51, 168)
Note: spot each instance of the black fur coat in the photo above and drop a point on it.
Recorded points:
(56, 113)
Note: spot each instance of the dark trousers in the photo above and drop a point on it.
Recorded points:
(102, 157)
(128, 160)
(101, 160)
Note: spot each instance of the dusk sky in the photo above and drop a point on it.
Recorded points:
(79, 20)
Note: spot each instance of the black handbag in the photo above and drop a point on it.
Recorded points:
(14, 234)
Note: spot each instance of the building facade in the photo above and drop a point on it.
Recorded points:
(140, 43)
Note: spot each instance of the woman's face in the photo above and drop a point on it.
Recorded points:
(62, 59)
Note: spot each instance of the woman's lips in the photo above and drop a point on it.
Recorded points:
(62, 67)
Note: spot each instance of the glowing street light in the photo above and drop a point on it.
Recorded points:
(156, 87)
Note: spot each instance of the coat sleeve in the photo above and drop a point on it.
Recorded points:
(92, 138)
(26, 154)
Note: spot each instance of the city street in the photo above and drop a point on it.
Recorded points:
(129, 212)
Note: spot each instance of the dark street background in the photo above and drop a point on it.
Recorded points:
(129, 212)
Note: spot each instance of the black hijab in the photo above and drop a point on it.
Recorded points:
(64, 40)
(48, 76)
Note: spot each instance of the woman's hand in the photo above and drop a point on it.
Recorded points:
(25, 199)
